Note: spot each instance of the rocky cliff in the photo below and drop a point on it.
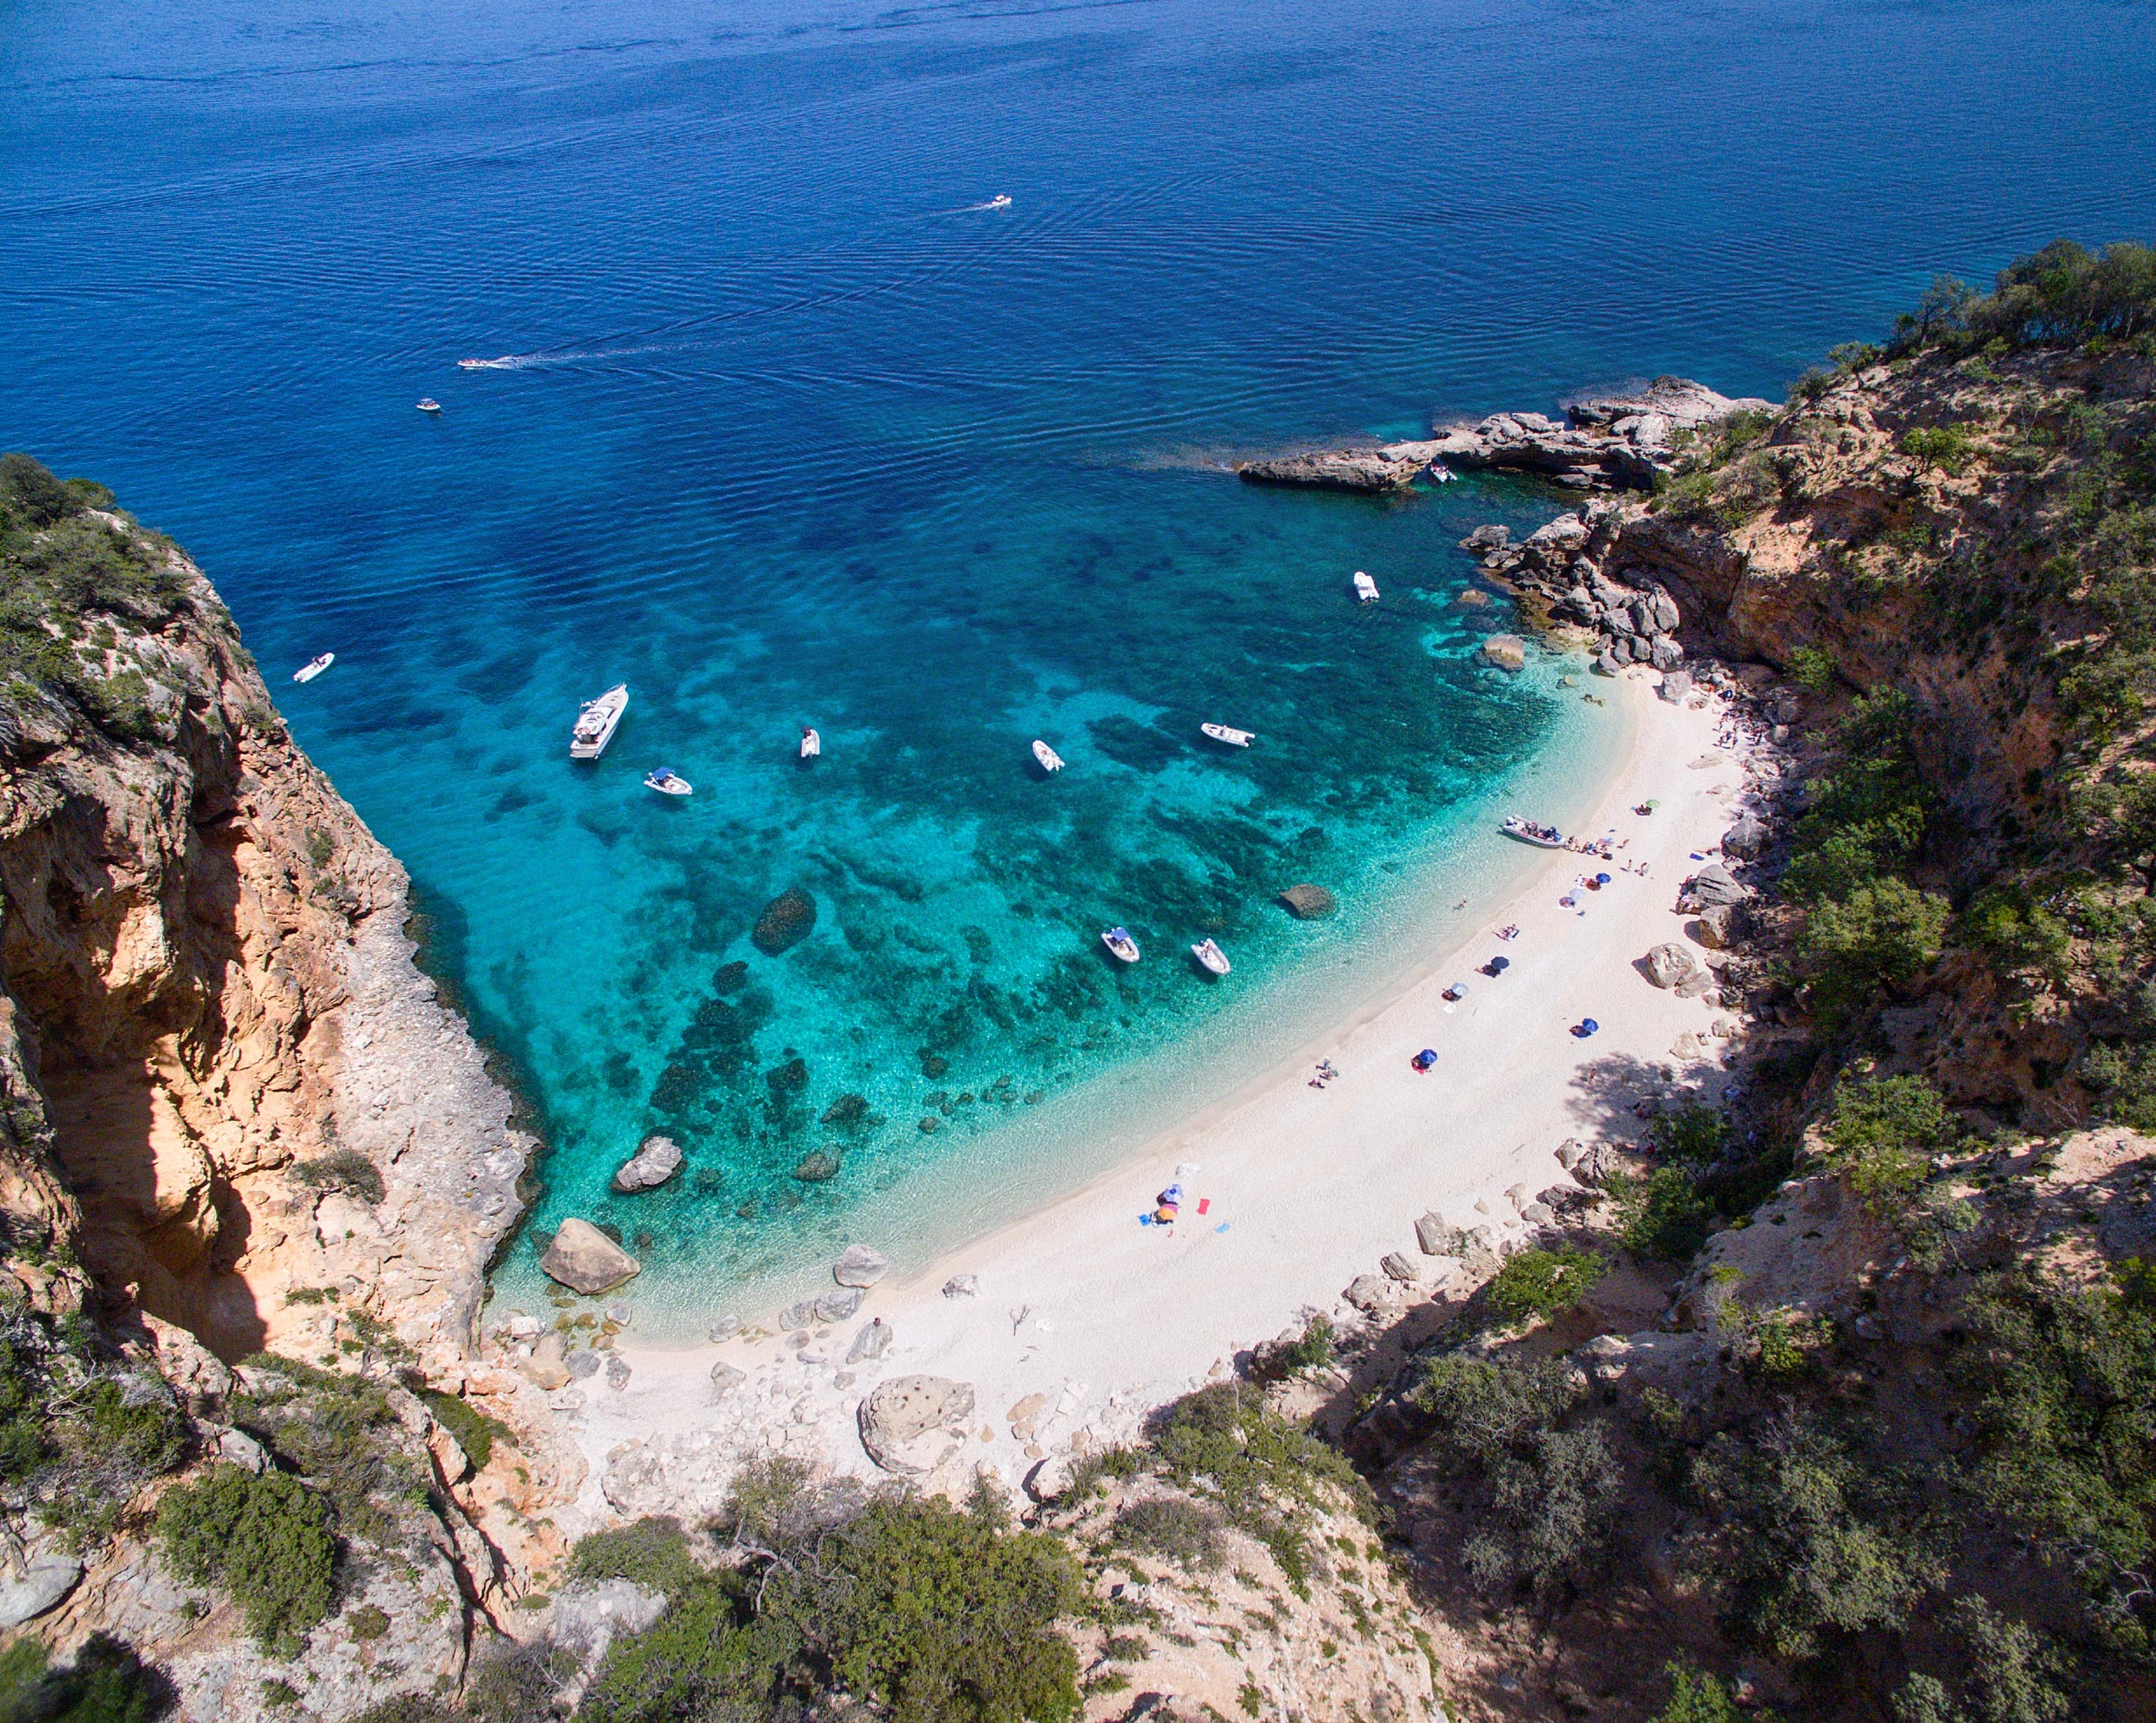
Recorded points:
(237, 1121)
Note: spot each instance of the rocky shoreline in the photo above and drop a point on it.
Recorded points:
(1609, 443)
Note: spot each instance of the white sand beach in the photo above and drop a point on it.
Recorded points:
(1085, 1319)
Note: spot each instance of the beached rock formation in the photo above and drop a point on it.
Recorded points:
(911, 1425)
(656, 1160)
(859, 1265)
(585, 1260)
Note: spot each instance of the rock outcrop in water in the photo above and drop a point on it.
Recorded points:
(787, 920)
(1609, 443)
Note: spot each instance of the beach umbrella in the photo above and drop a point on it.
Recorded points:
(1501, 964)
(1429, 1055)
(1601, 878)
(1588, 1025)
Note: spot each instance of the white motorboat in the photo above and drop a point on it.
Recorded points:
(1118, 940)
(595, 723)
(811, 743)
(429, 404)
(313, 667)
(483, 364)
(1542, 836)
(1049, 759)
(1365, 588)
(1210, 956)
(668, 782)
(1000, 202)
(1229, 734)
(1442, 474)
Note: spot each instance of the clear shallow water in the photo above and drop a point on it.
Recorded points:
(798, 434)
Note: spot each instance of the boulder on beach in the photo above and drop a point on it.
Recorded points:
(837, 1307)
(1714, 884)
(656, 1160)
(870, 1343)
(1676, 685)
(1717, 928)
(1368, 1293)
(1746, 839)
(584, 1259)
(1434, 1235)
(962, 1286)
(859, 1266)
(1309, 903)
(1399, 1268)
(911, 1425)
(784, 923)
(1669, 963)
(1506, 651)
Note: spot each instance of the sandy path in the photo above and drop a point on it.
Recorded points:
(1304, 1189)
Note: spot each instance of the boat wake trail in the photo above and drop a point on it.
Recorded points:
(529, 362)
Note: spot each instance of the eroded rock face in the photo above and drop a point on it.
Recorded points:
(911, 1425)
(585, 1260)
(1368, 471)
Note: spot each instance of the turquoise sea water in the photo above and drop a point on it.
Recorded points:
(796, 432)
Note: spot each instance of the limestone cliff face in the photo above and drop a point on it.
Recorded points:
(233, 1118)
(212, 991)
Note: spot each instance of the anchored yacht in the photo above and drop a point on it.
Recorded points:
(595, 723)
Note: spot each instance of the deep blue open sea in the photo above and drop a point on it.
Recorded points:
(796, 431)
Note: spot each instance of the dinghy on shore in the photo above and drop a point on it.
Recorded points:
(1542, 836)
(1365, 588)
(1119, 941)
(1227, 733)
(596, 723)
(1049, 759)
(1211, 957)
(313, 667)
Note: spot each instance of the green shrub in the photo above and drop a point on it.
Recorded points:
(2066, 1384)
(368, 1622)
(2006, 1673)
(474, 1430)
(1547, 1487)
(31, 493)
(653, 1553)
(1695, 1135)
(343, 1169)
(1662, 1217)
(1884, 1131)
(1184, 1531)
(1819, 1542)
(1872, 943)
(1696, 1697)
(1940, 446)
(107, 1683)
(1812, 668)
(1310, 1351)
(2021, 935)
(338, 1431)
(264, 1540)
(1538, 1282)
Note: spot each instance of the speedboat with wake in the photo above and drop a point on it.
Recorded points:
(595, 723)
(1542, 836)
(1049, 759)
(484, 363)
(1229, 734)
(668, 782)
(1211, 957)
(1365, 588)
(1119, 941)
(313, 667)
(1000, 202)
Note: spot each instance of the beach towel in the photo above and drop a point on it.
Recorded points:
(1204, 1203)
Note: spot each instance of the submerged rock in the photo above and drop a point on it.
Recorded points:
(584, 1259)
(818, 1166)
(1309, 903)
(784, 923)
(847, 1112)
(656, 1160)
